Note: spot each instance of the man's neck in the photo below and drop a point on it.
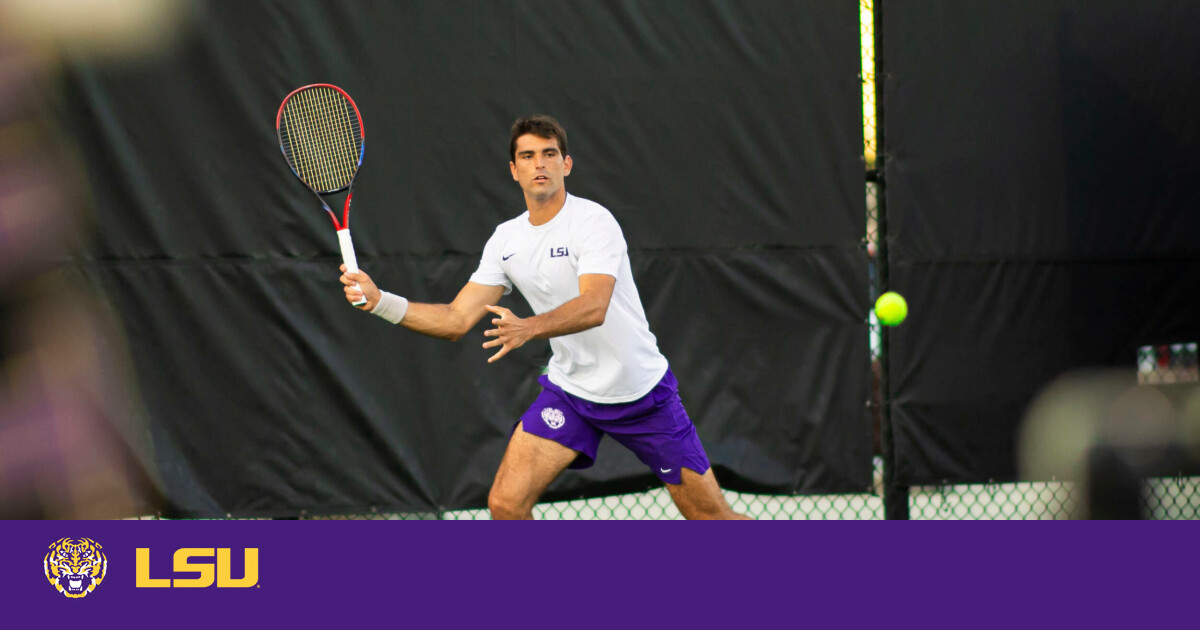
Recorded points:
(542, 211)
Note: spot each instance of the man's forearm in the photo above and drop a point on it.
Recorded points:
(580, 314)
(434, 320)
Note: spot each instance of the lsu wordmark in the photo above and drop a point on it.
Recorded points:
(200, 561)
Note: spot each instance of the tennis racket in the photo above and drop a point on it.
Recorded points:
(322, 138)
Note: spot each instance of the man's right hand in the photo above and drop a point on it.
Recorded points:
(366, 287)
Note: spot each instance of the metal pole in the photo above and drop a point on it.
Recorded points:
(895, 495)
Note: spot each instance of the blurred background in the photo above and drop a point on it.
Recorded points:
(74, 440)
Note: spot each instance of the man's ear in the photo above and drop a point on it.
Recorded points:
(512, 166)
(566, 166)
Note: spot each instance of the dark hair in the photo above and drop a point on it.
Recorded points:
(540, 125)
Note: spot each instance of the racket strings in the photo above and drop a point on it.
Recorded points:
(321, 142)
(303, 139)
(312, 141)
(322, 138)
(333, 166)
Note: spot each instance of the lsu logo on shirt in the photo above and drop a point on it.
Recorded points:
(559, 252)
(75, 566)
(208, 572)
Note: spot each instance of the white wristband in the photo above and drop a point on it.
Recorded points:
(391, 307)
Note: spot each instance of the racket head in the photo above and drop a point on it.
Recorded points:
(322, 137)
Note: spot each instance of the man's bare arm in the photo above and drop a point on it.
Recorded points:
(444, 321)
(577, 315)
(452, 321)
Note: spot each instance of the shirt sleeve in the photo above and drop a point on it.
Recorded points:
(601, 245)
(490, 272)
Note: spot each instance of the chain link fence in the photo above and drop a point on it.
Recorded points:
(656, 505)
(1163, 499)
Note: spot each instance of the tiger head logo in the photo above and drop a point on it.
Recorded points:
(75, 566)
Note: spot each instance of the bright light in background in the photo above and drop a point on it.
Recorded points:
(96, 27)
(866, 20)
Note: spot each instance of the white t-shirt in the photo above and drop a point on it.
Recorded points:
(615, 362)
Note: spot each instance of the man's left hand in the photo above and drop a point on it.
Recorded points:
(510, 332)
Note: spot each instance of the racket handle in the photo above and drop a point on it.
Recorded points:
(348, 258)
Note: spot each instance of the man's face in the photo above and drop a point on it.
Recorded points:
(539, 166)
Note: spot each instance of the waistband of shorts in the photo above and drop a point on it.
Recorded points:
(665, 385)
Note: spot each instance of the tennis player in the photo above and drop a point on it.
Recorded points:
(568, 257)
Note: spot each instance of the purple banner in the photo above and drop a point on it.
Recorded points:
(593, 574)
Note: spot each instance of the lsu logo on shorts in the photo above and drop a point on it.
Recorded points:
(553, 417)
(75, 566)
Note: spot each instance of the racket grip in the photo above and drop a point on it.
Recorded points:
(349, 258)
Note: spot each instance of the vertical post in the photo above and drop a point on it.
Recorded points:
(895, 495)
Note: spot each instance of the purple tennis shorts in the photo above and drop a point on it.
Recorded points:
(655, 427)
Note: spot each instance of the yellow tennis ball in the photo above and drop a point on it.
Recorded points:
(891, 309)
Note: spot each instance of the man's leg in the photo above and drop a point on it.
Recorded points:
(530, 463)
(698, 497)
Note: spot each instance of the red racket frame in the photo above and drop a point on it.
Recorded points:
(362, 128)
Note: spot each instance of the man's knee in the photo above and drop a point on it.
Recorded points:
(698, 497)
(507, 506)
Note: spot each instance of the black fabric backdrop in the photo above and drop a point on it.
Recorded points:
(1044, 208)
(725, 136)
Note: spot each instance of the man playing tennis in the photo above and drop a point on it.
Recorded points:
(568, 257)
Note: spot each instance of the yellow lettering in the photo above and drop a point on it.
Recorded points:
(223, 569)
(143, 572)
(207, 574)
(183, 566)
